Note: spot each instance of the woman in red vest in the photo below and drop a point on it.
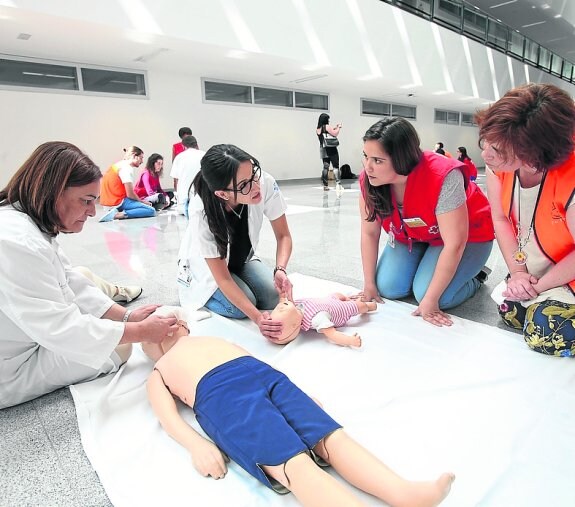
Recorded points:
(528, 147)
(438, 223)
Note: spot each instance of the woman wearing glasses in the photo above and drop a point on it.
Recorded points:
(217, 267)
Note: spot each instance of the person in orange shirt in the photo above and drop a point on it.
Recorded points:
(527, 138)
(117, 189)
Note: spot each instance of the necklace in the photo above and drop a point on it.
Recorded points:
(519, 256)
(239, 215)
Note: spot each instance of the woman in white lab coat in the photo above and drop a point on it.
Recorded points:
(217, 267)
(56, 327)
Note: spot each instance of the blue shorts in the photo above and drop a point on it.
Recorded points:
(257, 416)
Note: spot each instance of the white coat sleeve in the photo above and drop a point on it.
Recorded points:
(36, 297)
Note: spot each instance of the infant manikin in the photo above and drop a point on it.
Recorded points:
(322, 314)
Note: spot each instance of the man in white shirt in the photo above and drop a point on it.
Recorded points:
(184, 169)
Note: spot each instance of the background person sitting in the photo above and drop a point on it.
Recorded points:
(117, 189)
(148, 187)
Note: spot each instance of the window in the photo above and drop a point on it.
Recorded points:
(112, 81)
(260, 95)
(30, 73)
(272, 97)
(531, 49)
(311, 101)
(38, 75)
(497, 34)
(516, 43)
(544, 58)
(567, 70)
(227, 92)
(467, 120)
(448, 12)
(449, 117)
(377, 108)
(556, 64)
(474, 24)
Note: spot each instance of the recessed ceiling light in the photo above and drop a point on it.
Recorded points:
(502, 4)
(308, 78)
(533, 24)
(557, 16)
(24, 36)
(147, 57)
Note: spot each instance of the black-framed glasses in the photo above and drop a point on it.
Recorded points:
(245, 187)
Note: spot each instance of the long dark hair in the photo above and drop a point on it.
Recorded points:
(322, 120)
(464, 156)
(36, 187)
(400, 141)
(152, 159)
(218, 167)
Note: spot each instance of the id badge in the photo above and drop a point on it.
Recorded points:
(184, 274)
(391, 238)
(414, 222)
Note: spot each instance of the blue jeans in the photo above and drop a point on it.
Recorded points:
(256, 281)
(400, 273)
(136, 209)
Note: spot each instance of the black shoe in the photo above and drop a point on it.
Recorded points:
(483, 275)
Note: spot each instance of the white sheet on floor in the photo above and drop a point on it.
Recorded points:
(472, 399)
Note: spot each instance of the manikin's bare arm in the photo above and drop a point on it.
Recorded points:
(339, 338)
(207, 458)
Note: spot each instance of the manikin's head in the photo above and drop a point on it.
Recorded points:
(290, 316)
(156, 350)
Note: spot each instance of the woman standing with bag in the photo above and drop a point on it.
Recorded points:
(328, 143)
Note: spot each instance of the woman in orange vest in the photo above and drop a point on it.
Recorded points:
(117, 189)
(438, 223)
(529, 150)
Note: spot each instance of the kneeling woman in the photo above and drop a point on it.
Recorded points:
(439, 224)
(217, 267)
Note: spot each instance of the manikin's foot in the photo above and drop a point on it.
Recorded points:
(426, 494)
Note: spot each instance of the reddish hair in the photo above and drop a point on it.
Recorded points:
(534, 123)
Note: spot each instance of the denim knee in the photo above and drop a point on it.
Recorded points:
(390, 290)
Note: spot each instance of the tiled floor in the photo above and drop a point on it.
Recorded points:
(42, 462)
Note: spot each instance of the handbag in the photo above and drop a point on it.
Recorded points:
(330, 142)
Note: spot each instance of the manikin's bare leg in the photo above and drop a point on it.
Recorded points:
(311, 485)
(339, 338)
(366, 472)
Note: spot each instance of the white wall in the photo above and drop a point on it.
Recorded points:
(376, 36)
(283, 140)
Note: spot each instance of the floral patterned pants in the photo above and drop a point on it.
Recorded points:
(548, 327)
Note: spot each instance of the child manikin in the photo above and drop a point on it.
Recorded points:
(262, 421)
(322, 314)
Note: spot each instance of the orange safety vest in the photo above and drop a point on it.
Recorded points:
(550, 224)
(112, 190)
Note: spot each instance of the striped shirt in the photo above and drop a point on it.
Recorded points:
(339, 311)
